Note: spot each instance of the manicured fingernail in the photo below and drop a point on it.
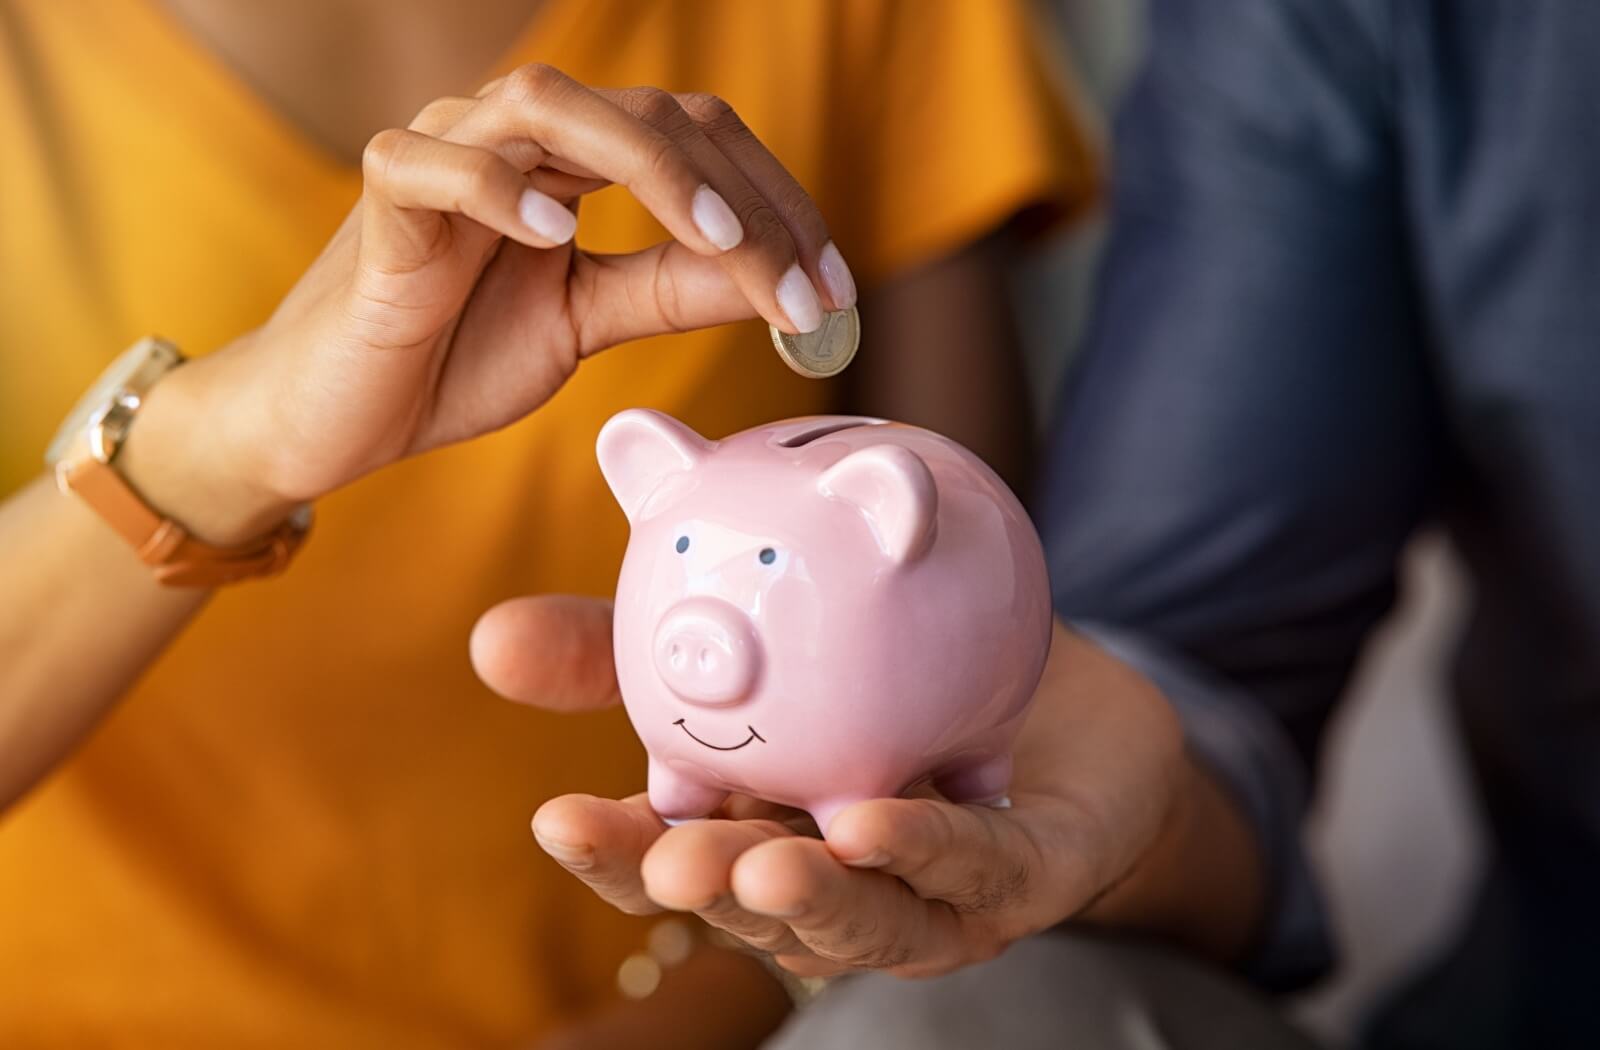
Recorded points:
(715, 219)
(577, 858)
(546, 217)
(836, 277)
(876, 859)
(799, 300)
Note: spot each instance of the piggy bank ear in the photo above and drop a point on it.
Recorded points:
(894, 491)
(639, 448)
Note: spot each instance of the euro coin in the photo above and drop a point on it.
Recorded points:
(825, 352)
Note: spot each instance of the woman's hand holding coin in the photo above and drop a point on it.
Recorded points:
(453, 300)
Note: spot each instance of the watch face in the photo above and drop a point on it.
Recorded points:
(137, 367)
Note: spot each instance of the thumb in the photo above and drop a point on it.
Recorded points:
(553, 651)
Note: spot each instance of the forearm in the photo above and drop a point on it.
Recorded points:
(83, 617)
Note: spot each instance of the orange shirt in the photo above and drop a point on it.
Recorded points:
(307, 825)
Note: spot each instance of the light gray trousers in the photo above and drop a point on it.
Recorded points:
(1056, 990)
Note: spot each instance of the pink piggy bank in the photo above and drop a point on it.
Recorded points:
(821, 611)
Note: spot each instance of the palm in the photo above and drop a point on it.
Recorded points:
(914, 885)
(509, 346)
(465, 332)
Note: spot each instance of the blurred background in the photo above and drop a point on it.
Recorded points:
(1394, 837)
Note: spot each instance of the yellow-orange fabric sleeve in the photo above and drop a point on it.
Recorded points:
(970, 121)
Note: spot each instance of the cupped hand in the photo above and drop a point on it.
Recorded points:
(453, 301)
(914, 886)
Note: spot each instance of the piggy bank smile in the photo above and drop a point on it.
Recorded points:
(754, 736)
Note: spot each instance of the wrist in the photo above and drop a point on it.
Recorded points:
(190, 456)
(1201, 881)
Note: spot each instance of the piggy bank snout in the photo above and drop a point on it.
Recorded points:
(707, 652)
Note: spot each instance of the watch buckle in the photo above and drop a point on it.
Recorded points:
(108, 427)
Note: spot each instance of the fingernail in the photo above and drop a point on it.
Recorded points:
(876, 859)
(577, 858)
(799, 300)
(546, 217)
(715, 219)
(836, 277)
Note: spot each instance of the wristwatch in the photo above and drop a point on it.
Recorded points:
(83, 456)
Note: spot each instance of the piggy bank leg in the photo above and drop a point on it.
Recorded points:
(982, 783)
(676, 798)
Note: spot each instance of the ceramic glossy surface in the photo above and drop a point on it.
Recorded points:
(821, 611)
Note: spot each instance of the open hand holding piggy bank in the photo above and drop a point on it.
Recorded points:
(821, 611)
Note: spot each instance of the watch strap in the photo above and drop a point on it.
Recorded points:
(175, 557)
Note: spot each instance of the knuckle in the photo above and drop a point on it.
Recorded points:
(480, 176)
(939, 817)
(763, 227)
(712, 113)
(927, 824)
(666, 296)
(531, 83)
(439, 113)
(653, 106)
(381, 153)
(793, 202)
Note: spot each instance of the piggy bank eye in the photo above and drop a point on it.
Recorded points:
(767, 555)
(682, 544)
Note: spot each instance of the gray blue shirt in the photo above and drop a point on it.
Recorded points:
(1353, 289)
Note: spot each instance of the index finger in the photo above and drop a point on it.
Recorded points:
(538, 112)
(819, 256)
(602, 842)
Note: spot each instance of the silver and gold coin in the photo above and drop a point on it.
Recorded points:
(825, 352)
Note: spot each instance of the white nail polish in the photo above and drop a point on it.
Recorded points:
(841, 284)
(546, 217)
(799, 300)
(715, 220)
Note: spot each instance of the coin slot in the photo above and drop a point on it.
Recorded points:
(805, 437)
